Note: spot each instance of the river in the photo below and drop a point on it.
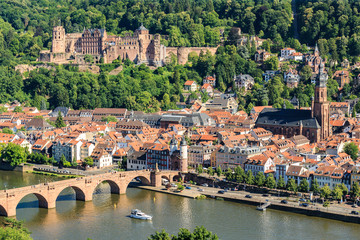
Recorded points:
(105, 217)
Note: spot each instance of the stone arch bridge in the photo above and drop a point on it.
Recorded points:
(84, 187)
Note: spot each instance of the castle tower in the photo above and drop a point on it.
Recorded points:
(58, 43)
(320, 104)
(183, 155)
(173, 145)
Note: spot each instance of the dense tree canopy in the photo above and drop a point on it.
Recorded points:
(26, 28)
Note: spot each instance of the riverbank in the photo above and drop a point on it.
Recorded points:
(19, 168)
(315, 210)
(53, 174)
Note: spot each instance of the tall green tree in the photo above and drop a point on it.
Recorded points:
(355, 190)
(272, 63)
(304, 185)
(249, 179)
(199, 169)
(315, 188)
(337, 192)
(281, 183)
(270, 181)
(325, 192)
(59, 123)
(218, 171)
(260, 179)
(239, 174)
(13, 154)
(291, 185)
(352, 149)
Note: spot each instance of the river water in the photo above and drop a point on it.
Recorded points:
(105, 217)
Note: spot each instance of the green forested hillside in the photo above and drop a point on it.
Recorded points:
(26, 27)
(334, 24)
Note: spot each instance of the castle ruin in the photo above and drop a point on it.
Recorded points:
(140, 47)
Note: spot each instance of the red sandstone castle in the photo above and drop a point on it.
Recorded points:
(141, 47)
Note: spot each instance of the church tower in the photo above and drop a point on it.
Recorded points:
(58, 42)
(320, 105)
(183, 155)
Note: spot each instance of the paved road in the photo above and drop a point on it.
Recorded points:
(342, 208)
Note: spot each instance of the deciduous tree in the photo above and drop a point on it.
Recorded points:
(291, 185)
(315, 188)
(249, 179)
(325, 192)
(352, 149)
(281, 183)
(13, 154)
(304, 185)
(270, 181)
(260, 179)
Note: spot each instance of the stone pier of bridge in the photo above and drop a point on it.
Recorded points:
(84, 187)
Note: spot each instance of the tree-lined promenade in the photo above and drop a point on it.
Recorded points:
(238, 175)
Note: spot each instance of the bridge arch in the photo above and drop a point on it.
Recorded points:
(144, 180)
(43, 202)
(3, 211)
(166, 177)
(114, 187)
(79, 193)
(176, 178)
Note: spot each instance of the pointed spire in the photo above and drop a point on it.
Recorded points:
(316, 51)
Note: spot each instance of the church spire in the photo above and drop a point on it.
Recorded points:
(316, 51)
(322, 77)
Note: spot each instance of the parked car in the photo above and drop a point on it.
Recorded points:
(201, 190)
(205, 185)
(248, 196)
(265, 195)
(284, 201)
(304, 204)
(221, 192)
(354, 212)
(302, 200)
(187, 187)
(225, 190)
(173, 185)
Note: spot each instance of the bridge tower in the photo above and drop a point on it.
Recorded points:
(183, 156)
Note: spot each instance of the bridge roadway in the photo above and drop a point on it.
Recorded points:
(84, 187)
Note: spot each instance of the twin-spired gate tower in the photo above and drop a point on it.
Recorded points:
(84, 187)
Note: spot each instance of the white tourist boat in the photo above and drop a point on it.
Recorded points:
(136, 213)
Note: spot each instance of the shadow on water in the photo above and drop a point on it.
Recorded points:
(67, 197)
(32, 204)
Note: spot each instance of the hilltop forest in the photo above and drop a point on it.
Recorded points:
(26, 28)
